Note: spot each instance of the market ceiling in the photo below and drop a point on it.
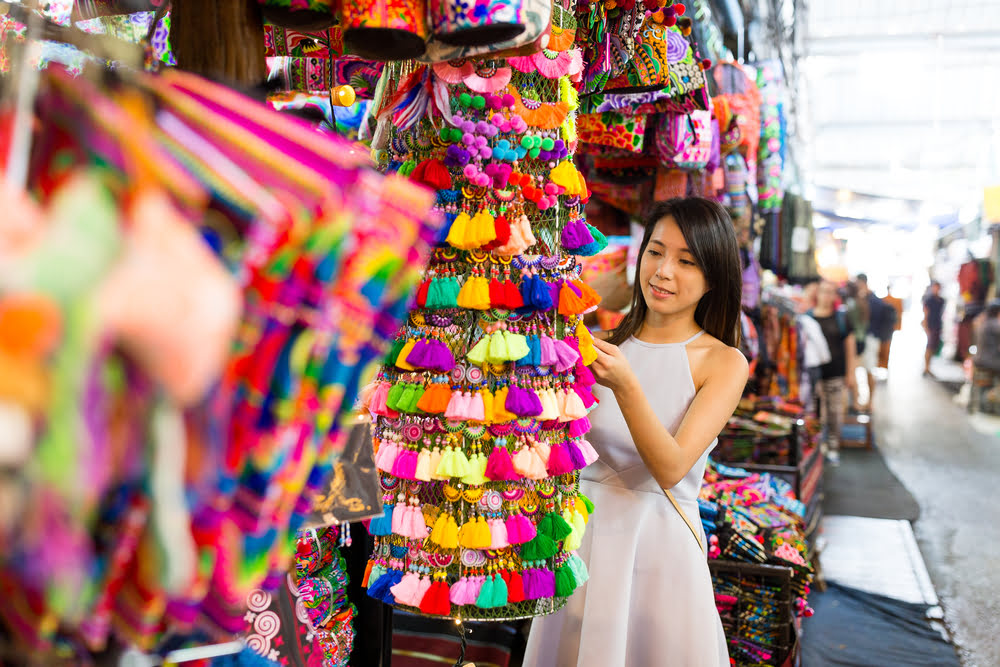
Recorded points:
(902, 98)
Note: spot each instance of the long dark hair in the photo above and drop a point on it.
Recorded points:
(711, 237)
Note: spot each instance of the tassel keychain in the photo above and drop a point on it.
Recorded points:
(386, 455)
(515, 587)
(565, 582)
(436, 602)
(437, 456)
(458, 233)
(382, 525)
(423, 470)
(499, 466)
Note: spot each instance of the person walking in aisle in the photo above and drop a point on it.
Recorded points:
(837, 375)
(670, 376)
(933, 324)
(881, 319)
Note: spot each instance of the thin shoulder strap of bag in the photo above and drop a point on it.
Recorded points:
(687, 520)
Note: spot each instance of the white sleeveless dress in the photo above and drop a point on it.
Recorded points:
(649, 601)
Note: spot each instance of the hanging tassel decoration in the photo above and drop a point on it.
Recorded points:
(382, 525)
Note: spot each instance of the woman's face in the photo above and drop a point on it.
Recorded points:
(826, 295)
(671, 281)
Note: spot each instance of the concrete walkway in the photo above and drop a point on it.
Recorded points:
(951, 464)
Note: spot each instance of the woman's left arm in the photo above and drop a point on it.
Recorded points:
(669, 457)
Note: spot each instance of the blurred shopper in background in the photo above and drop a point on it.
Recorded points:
(933, 323)
(837, 376)
(881, 319)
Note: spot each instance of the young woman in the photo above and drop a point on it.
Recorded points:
(670, 378)
(837, 375)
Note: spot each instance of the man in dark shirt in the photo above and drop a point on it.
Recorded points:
(933, 323)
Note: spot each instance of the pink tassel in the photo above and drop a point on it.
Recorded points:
(477, 411)
(548, 351)
(377, 404)
(579, 428)
(542, 449)
(566, 356)
(398, 515)
(586, 396)
(458, 406)
(472, 591)
(405, 465)
(459, 591)
(416, 525)
(574, 407)
(387, 454)
(522, 461)
(520, 529)
(590, 454)
(407, 589)
(499, 467)
(498, 534)
(529, 463)
(559, 461)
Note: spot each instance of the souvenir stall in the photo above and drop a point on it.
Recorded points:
(196, 288)
(775, 429)
(760, 562)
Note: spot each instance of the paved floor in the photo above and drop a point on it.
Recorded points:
(951, 464)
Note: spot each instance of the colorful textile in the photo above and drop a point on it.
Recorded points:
(613, 129)
(201, 449)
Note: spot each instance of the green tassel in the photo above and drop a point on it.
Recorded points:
(377, 571)
(499, 591)
(433, 295)
(418, 392)
(599, 238)
(485, 598)
(540, 548)
(395, 393)
(449, 292)
(397, 347)
(565, 581)
(405, 402)
(579, 568)
(407, 167)
(557, 528)
(588, 503)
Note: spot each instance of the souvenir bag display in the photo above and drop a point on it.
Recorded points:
(772, 133)
(481, 407)
(384, 30)
(465, 23)
(684, 141)
(449, 43)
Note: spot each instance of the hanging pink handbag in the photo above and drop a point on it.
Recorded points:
(684, 141)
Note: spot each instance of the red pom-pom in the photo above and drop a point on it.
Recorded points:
(670, 21)
(706, 64)
(679, 8)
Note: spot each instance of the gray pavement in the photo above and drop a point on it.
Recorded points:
(953, 469)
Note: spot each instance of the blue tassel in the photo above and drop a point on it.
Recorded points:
(382, 526)
(380, 590)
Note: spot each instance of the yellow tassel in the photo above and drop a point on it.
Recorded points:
(466, 295)
(449, 536)
(459, 230)
(467, 535)
(401, 359)
(587, 350)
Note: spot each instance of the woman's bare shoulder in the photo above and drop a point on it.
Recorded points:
(713, 358)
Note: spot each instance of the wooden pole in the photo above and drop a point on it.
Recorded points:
(221, 39)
